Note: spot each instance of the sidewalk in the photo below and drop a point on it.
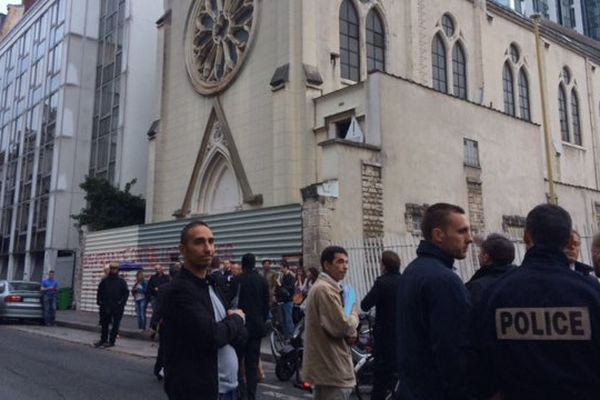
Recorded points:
(89, 321)
(140, 342)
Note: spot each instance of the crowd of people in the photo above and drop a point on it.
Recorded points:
(527, 332)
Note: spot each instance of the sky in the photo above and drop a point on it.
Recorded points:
(3, 4)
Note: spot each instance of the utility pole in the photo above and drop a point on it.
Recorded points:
(552, 198)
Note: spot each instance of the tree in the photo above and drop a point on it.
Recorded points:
(108, 206)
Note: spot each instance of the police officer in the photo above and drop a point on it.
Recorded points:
(495, 258)
(538, 328)
(433, 310)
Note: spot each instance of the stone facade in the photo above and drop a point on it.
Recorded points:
(372, 200)
(475, 205)
(316, 224)
(289, 125)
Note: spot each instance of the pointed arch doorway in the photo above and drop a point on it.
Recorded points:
(219, 188)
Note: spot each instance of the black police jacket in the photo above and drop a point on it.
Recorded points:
(253, 300)
(538, 332)
(484, 278)
(432, 327)
(382, 296)
(191, 337)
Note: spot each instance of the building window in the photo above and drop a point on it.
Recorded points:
(446, 44)
(515, 84)
(438, 56)
(569, 108)
(525, 112)
(591, 18)
(541, 6)
(562, 113)
(514, 53)
(509, 94)
(566, 13)
(448, 25)
(513, 226)
(375, 42)
(413, 217)
(471, 153)
(341, 128)
(349, 42)
(105, 122)
(459, 71)
(566, 75)
(575, 118)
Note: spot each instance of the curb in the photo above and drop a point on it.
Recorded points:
(86, 327)
(264, 356)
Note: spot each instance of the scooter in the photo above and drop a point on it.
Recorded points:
(289, 362)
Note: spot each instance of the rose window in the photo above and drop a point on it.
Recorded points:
(219, 34)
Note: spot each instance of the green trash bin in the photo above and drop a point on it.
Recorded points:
(64, 298)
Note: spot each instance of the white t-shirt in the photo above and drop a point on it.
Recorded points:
(227, 358)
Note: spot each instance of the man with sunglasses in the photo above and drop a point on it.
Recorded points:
(111, 297)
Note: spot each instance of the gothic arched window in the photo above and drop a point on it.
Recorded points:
(349, 42)
(438, 57)
(375, 42)
(525, 112)
(459, 71)
(508, 89)
(562, 114)
(449, 77)
(575, 121)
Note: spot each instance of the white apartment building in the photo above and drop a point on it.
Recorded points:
(76, 98)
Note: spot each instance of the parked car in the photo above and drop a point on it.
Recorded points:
(20, 300)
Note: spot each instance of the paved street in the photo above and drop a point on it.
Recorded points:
(56, 363)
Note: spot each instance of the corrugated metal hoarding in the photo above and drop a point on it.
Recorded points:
(267, 232)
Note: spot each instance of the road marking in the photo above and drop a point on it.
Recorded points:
(281, 396)
(270, 386)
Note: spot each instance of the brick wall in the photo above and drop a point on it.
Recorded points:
(372, 200)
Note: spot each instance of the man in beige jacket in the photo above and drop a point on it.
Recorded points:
(329, 332)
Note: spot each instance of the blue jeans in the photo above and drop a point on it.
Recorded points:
(140, 313)
(49, 309)
(288, 322)
(231, 395)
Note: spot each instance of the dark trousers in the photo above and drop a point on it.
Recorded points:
(155, 318)
(49, 309)
(160, 357)
(383, 373)
(250, 355)
(110, 317)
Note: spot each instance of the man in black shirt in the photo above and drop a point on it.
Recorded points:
(198, 331)
(252, 292)
(284, 295)
(383, 297)
(111, 297)
(159, 278)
